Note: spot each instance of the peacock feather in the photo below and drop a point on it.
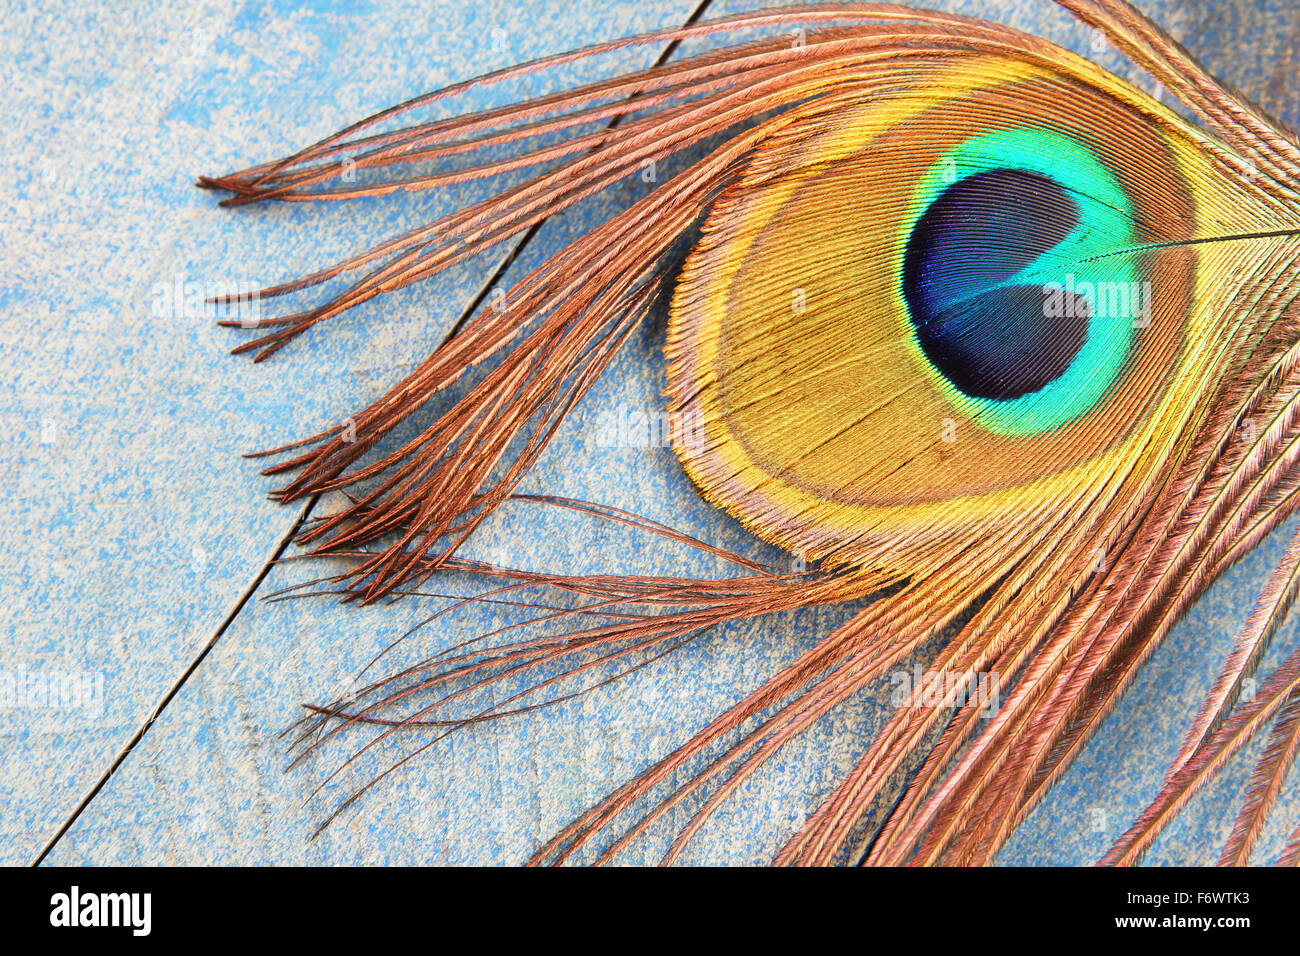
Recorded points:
(1001, 345)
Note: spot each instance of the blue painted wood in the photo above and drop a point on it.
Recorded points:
(135, 526)
(138, 527)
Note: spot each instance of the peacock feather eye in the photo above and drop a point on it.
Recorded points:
(962, 310)
(996, 268)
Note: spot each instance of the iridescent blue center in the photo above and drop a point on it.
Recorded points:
(984, 331)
